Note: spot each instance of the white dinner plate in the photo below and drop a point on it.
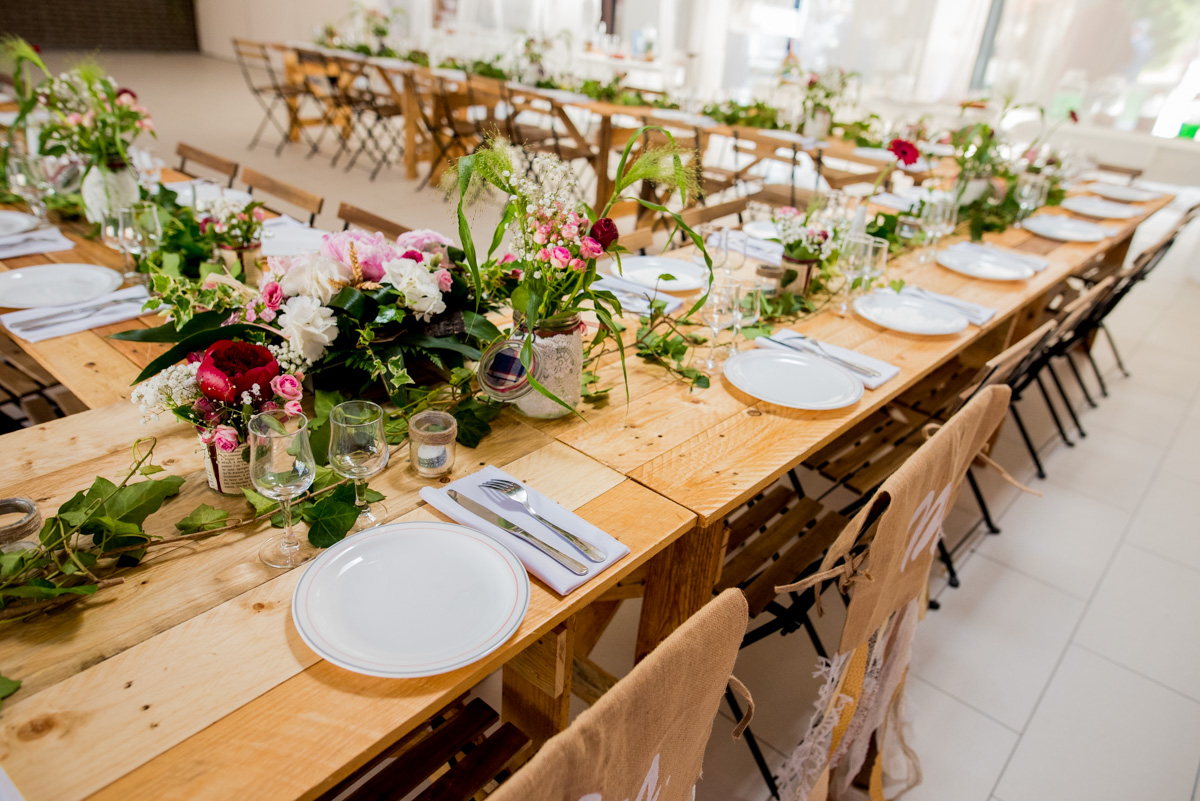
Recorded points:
(410, 599)
(1102, 209)
(55, 285)
(291, 240)
(908, 314)
(16, 222)
(1064, 229)
(645, 270)
(794, 380)
(977, 263)
(1125, 194)
(761, 229)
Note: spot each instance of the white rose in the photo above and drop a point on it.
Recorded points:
(417, 285)
(308, 326)
(313, 277)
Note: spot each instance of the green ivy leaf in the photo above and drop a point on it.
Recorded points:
(331, 518)
(8, 686)
(133, 503)
(261, 503)
(202, 518)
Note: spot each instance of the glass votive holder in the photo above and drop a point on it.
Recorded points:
(431, 443)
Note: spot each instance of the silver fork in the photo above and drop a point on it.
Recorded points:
(861, 369)
(71, 316)
(515, 491)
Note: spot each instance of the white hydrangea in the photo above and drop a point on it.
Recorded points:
(418, 286)
(314, 277)
(173, 387)
(308, 326)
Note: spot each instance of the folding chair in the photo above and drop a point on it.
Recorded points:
(371, 113)
(222, 166)
(294, 195)
(360, 218)
(257, 66)
(449, 136)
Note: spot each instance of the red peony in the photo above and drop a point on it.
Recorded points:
(231, 368)
(604, 231)
(905, 151)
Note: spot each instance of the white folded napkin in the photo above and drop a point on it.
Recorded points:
(118, 312)
(28, 243)
(974, 312)
(634, 297)
(283, 220)
(893, 201)
(291, 240)
(552, 573)
(886, 370)
(979, 249)
(762, 250)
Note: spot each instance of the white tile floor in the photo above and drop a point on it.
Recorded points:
(1067, 665)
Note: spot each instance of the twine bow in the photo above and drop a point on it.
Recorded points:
(846, 573)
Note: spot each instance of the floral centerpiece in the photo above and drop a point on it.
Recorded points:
(236, 230)
(91, 117)
(821, 95)
(218, 391)
(364, 315)
(556, 241)
(810, 249)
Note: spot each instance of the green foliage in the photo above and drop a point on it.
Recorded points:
(8, 686)
(474, 417)
(758, 114)
(202, 518)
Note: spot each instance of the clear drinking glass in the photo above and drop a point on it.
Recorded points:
(910, 228)
(933, 217)
(716, 241)
(25, 179)
(358, 449)
(142, 229)
(749, 310)
(852, 262)
(281, 468)
(719, 312)
(1031, 190)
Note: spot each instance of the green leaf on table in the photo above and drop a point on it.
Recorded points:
(756, 331)
(150, 469)
(202, 518)
(261, 503)
(896, 285)
(8, 686)
(205, 321)
(84, 558)
(331, 518)
(133, 503)
(42, 590)
(474, 416)
(373, 496)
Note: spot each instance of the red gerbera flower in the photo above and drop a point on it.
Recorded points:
(906, 152)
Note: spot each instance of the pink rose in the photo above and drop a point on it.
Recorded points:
(225, 438)
(207, 408)
(570, 231)
(241, 216)
(543, 255)
(146, 124)
(517, 274)
(788, 211)
(579, 265)
(260, 214)
(589, 248)
(424, 240)
(560, 257)
(444, 281)
(74, 118)
(206, 435)
(287, 387)
(293, 408)
(272, 295)
(539, 237)
(508, 257)
(268, 406)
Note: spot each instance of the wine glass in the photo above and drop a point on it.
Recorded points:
(947, 220)
(1031, 189)
(716, 242)
(141, 229)
(933, 216)
(25, 180)
(358, 449)
(749, 310)
(852, 262)
(281, 468)
(909, 228)
(718, 313)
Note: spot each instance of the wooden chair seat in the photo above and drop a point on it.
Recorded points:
(457, 736)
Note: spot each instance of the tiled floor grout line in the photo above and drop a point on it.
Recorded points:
(1137, 673)
(1163, 556)
(968, 705)
(1088, 604)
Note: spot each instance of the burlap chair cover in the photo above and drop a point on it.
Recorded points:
(864, 681)
(644, 739)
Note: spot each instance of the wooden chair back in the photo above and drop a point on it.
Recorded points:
(222, 166)
(294, 195)
(361, 218)
(704, 214)
(638, 240)
(1011, 363)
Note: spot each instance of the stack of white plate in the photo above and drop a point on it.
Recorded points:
(1125, 194)
(990, 264)
(794, 380)
(1064, 229)
(908, 314)
(1090, 206)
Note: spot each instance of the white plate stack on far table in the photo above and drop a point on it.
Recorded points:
(909, 314)
(1065, 229)
(793, 379)
(1102, 209)
(1125, 194)
(20, 235)
(976, 260)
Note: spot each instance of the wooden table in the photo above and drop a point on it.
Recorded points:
(189, 680)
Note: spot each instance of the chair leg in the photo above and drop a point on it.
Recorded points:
(1112, 344)
(1063, 393)
(983, 507)
(1033, 454)
(752, 744)
(1096, 370)
(948, 561)
(1058, 423)
(1078, 377)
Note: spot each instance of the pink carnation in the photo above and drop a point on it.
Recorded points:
(444, 281)
(287, 387)
(415, 255)
(372, 250)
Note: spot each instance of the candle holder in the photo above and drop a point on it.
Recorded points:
(431, 443)
(26, 526)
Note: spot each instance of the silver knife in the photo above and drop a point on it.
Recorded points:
(65, 316)
(576, 567)
(811, 348)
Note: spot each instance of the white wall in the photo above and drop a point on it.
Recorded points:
(217, 21)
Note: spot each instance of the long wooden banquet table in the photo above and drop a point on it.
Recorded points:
(188, 681)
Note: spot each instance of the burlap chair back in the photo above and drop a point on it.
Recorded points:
(644, 739)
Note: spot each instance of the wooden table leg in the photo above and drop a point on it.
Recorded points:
(411, 132)
(537, 687)
(604, 186)
(679, 581)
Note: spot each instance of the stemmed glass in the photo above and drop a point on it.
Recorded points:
(1031, 191)
(909, 227)
(716, 242)
(719, 312)
(358, 449)
(865, 259)
(939, 217)
(25, 179)
(140, 232)
(749, 310)
(281, 468)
